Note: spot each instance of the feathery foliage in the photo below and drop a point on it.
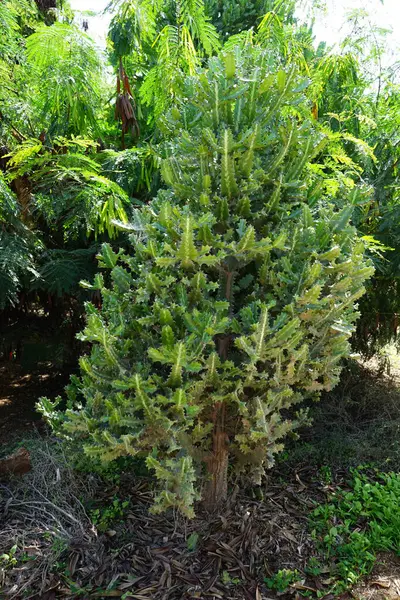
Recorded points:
(165, 42)
(135, 170)
(66, 58)
(357, 96)
(17, 249)
(231, 18)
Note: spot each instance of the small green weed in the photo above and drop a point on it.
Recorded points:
(192, 541)
(104, 517)
(228, 580)
(26, 558)
(111, 472)
(282, 580)
(314, 566)
(325, 474)
(9, 559)
(356, 524)
(59, 546)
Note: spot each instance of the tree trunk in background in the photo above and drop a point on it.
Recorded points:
(22, 187)
(45, 5)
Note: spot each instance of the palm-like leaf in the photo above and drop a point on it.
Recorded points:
(60, 271)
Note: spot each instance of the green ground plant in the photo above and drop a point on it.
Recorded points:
(106, 516)
(356, 523)
(282, 580)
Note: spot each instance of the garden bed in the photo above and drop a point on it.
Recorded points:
(71, 535)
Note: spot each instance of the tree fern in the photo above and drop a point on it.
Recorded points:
(61, 271)
(68, 188)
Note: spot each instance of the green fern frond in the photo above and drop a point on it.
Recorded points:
(61, 271)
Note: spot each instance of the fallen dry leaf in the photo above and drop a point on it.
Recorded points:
(382, 584)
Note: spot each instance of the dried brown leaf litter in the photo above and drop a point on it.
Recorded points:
(59, 553)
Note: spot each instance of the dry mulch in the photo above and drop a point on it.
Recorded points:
(235, 550)
(384, 581)
(146, 556)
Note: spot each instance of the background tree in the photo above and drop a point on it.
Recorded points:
(18, 248)
(68, 61)
(65, 190)
(231, 18)
(53, 93)
(355, 93)
(160, 43)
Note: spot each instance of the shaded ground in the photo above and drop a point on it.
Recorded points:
(37, 356)
(106, 549)
(20, 390)
(384, 581)
(357, 423)
(60, 554)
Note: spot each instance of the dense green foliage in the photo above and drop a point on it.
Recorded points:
(55, 199)
(225, 221)
(238, 299)
(245, 152)
(17, 248)
(162, 42)
(231, 18)
(357, 522)
(357, 95)
(67, 60)
(56, 116)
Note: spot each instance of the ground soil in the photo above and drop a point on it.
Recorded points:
(19, 391)
(384, 581)
(228, 556)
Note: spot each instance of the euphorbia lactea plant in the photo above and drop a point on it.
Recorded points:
(237, 300)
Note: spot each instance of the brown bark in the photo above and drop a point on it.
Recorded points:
(215, 490)
(22, 189)
(216, 487)
(16, 464)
